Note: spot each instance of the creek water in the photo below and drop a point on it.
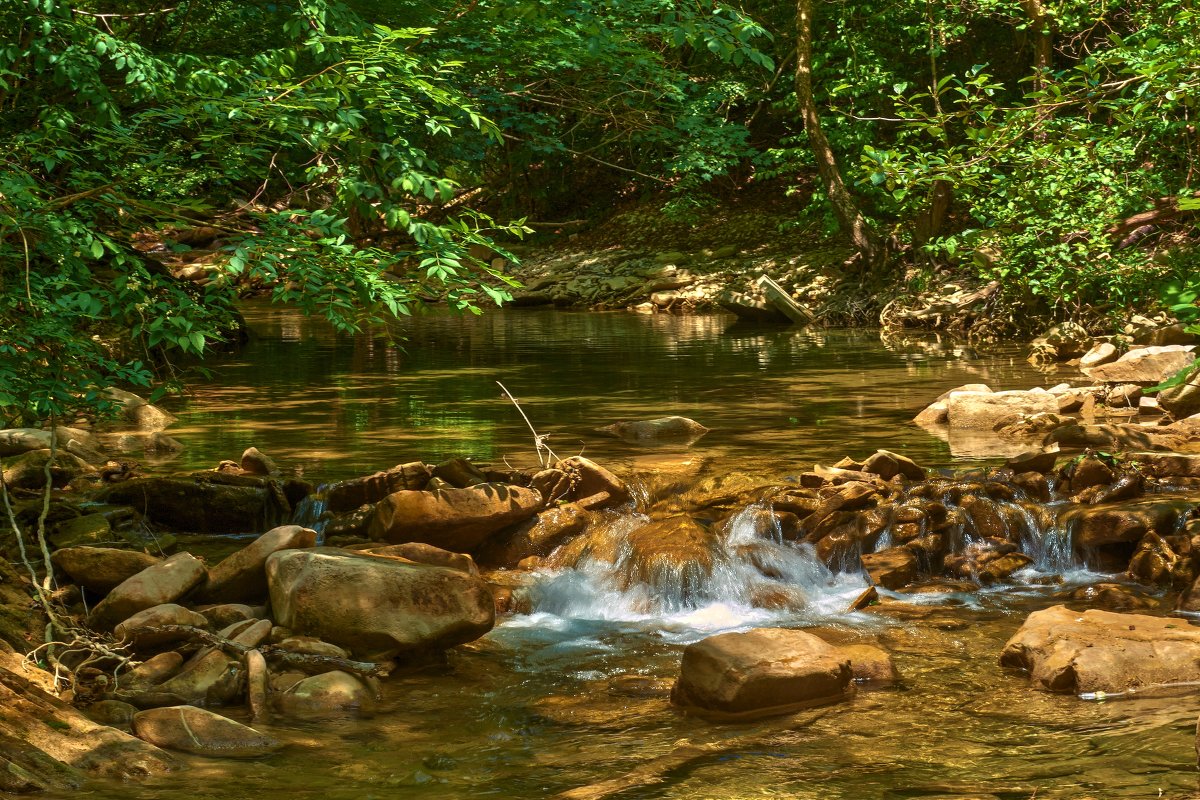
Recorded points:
(574, 693)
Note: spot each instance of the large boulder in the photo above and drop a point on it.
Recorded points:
(194, 730)
(242, 576)
(100, 569)
(983, 410)
(592, 486)
(164, 582)
(203, 502)
(452, 519)
(761, 672)
(1102, 651)
(377, 607)
(1144, 365)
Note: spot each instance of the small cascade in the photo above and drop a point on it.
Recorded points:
(742, 572)
(309, 511)
(1050, 541)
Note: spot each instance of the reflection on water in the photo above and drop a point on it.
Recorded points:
(574, 693)
(777, 399)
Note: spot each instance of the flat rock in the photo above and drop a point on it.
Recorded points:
(982, 410)
(1103, 651)
(194, 730)
(673, 428)
(377, 607)
(1101, 353)
(350, 494)
(421, 553)
(1147, 365)
(452, 519)
(761, 672)
(202, 502)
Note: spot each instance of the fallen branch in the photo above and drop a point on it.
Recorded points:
(290, 658)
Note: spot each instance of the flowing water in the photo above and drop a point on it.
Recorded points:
(574, 692)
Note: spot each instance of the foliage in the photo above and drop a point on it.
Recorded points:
(308, 152)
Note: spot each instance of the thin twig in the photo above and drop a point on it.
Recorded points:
(539, 440)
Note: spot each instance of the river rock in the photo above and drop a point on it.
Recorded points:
(453, 519)
(328, 694)
(152, 671)
(255, 462)
(100, 569)
(538, 536)
(592, 486)
(1042, 461)
(1099, 526)
(194, 730)
(28, 470)
(870, 664)
(1169, 465)
(225, 614)
(761, 672)
(1102, 651)
(139, 629)
(309, 645)
(1089, 471)
(258, 685)
(351, 494)
(1183, 400)
(241, 576)
(377, 607)
(202, 502)
(422, 553)
(661, 429)
(164, 582)
(888, 465)
(1146, 365)
(672, 555)
(47, 745)
(893, 569)
(983, 410)
(460, 473)
(1101, 353)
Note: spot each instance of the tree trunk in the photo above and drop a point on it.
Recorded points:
(849, 217)
(1043, 40)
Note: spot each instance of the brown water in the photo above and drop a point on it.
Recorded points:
(536, 707)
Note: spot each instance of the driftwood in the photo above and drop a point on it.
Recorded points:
(305, 662)
(684, 755)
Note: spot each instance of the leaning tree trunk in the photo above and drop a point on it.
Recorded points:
(851, 220)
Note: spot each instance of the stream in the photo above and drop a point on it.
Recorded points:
(574, 692)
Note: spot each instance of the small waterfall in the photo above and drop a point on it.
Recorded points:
(308, 513)
(744, 574)
(1050, 542)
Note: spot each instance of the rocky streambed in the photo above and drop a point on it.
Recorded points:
(909, 631)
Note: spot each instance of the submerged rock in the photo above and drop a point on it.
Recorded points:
(194, 730)
(1102, 651)
(759, 673)
(662, 429)
(377, 607)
